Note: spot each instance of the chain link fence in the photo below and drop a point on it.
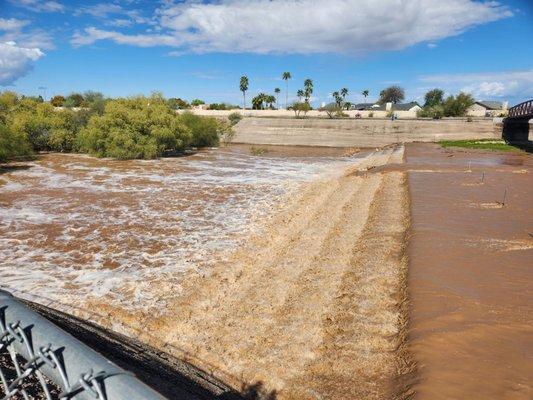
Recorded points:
(40, 361)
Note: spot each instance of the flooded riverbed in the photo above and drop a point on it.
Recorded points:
(74, 227)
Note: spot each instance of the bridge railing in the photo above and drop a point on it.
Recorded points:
(522, 109)
(39, 360)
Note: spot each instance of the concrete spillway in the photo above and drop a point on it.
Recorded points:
(358, 133)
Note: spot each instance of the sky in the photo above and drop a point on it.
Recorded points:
(200, 49)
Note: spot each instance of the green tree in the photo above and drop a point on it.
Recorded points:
(57, 100)
(308, 89)
(338, 98)
(434, 97)
(12, 144)
(344, 92)
(74, 100)
(178, 104)
(137, 127)
(95, 101)
(259, 101)
(457, 106)
(277, 91)
(300, 93)
(392, 94)
(365, 93)
(197, 102)
(243, 86)
(286, 76)
(205, 130)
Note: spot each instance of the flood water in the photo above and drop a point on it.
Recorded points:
(73, 227)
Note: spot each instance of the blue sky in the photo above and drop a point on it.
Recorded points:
(199, 49)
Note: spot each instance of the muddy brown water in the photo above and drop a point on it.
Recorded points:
(73, 227)
(471, 273)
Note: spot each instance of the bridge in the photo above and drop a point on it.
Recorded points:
(517, 126)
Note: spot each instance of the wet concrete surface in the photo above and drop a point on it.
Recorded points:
(471, 270)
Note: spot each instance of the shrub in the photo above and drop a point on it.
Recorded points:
(205, 130)
(435, 112)
(74, 100)
(457, 106)
(12, 144)
(332, 110)
(137, 127)
(178, 104)
(371, 114)
(197, 102)
(36, 121)
(300, 108)
(234, 118)
(258, 151)
(57, 101)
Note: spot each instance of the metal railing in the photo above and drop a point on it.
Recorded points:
(37, 356)
(522, 110)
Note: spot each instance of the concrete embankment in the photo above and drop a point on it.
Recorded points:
(358, 133)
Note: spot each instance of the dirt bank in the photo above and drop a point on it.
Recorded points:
(357, 132)
(470, 276)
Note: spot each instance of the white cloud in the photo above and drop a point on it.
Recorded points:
(92, 35)
(487, 85)
(104, 11)
(308, 26)
(12, 24)
(13, 31)
(39, 5)
(16, 61)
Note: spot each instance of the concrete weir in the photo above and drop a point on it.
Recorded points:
(358, 132)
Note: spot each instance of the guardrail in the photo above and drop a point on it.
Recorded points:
(522, 110)
(38, 357)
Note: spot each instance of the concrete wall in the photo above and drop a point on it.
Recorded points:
(358, 133)
(475, 111)
(310, 114)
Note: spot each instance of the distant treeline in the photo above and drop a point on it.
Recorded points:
(122, 128)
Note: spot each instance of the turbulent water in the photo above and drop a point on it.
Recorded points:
(74, 227)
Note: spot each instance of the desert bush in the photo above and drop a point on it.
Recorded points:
(234, 118)
(300, 108)
(435, 112)
(36, 121)
(137, 127)
(206, 131)
(371, 114)
(333, 110)
(12, 144)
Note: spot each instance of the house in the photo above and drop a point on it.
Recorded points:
(412, 106)
(364, 106)
(487, 108)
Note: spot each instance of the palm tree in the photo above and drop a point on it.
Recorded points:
(308, 89)
(344, 93)
(300, 93)
(286, 76)
(244, 87)
(337, 97)
(277, 91)
(365, 93)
